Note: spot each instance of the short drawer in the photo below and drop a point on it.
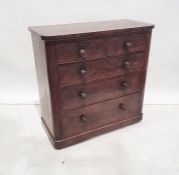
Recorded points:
(91, 117)
(98, 48)
(81, 95)
(88, 71)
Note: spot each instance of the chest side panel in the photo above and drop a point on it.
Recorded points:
(43, 82)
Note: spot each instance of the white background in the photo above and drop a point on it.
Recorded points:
(146, 148)
(17, 70)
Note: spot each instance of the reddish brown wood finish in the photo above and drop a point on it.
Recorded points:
(98, 48)
(70, 74)
(99, 91)
(91, 77)
(43, 81)
(96, 118)
(90, 29)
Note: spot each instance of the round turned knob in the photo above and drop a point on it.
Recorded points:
(83, 94)
(83, 71)
(83, 53)
(122, 106)
(126, 65)
(124, 85)
(83, 118)
(128, 45)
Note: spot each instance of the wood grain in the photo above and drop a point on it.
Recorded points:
(99, 91)
(55, 32)
(98, 48)
(99, 115)
(70, 74)
(91, 77)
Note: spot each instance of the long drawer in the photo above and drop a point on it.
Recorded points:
(88, 118)
(86, 94)
(88, 71)
(98, 48)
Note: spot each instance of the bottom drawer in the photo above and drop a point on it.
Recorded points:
(91, 117)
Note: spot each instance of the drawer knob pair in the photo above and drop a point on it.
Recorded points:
(128, 45)
(122, 106)
(124, 85)
(83, 53)
(82, 94)
(83, 118)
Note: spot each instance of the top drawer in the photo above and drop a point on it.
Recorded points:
(97, 48)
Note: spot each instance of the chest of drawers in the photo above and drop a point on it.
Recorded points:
(91, 77)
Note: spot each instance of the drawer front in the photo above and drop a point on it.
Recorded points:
(69, 52)
(94, 116)
(98, 48)
(88, 71)
(128, 44)
(83, 95)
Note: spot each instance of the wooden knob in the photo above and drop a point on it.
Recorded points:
(128, 45)
(83, 53)
(124, 85)
(83, 71)
(83, 118)
(83, 94)
(126, 65)
(122, 106)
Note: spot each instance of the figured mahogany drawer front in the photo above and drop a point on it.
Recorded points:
(98, 115)
(98, 48)
(82, 95)
(77, 73)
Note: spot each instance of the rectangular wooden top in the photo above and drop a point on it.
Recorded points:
(49, 32)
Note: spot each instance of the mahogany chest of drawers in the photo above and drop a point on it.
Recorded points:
(91, 77)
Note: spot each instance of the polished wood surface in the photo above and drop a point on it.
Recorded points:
(97, 28)
(89, 71)
(91, 77)
(43, 81)
(101, 90)
(99, 115)
(98, 48)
